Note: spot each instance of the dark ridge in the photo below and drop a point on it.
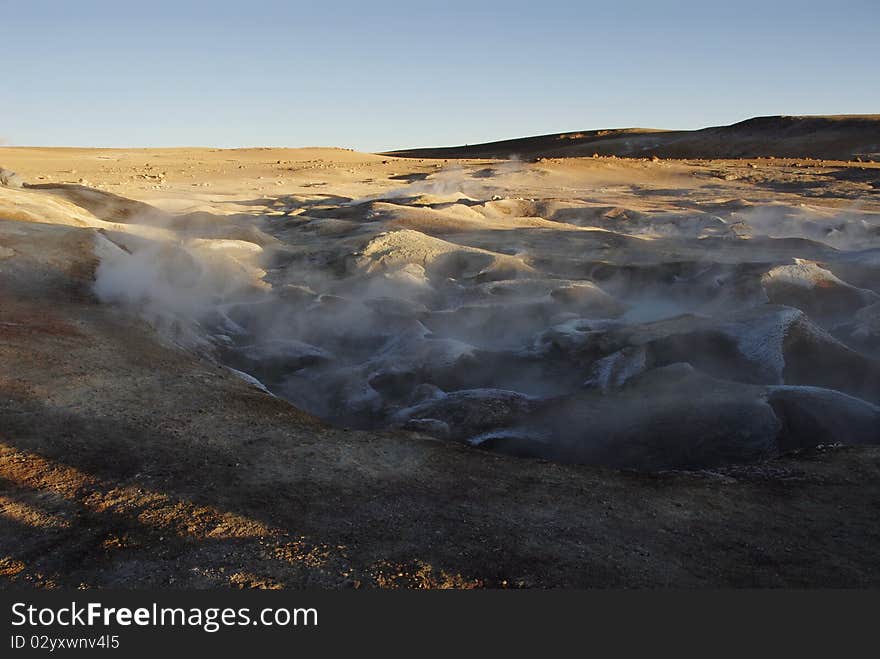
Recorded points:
(837, 137)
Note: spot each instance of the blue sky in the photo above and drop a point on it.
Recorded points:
(378, 75)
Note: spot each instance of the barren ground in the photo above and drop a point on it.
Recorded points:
(131, 456)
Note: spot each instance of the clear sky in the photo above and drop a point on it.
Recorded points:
(376, 75)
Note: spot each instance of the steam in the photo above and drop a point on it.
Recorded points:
(665, 341)
(847, 230)
(178, 286)
(451, 182)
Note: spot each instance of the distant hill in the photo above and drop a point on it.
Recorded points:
(837, 137)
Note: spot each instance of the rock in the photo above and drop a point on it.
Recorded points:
(815, 290)
(669, 418)
(472, 412)
(271, 361)
(432, 427)
(863, 331)
(511, 442)
(588, 298)
(811, 416)
(613, 371)
(10, 179)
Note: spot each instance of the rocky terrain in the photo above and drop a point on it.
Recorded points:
(277, 367)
